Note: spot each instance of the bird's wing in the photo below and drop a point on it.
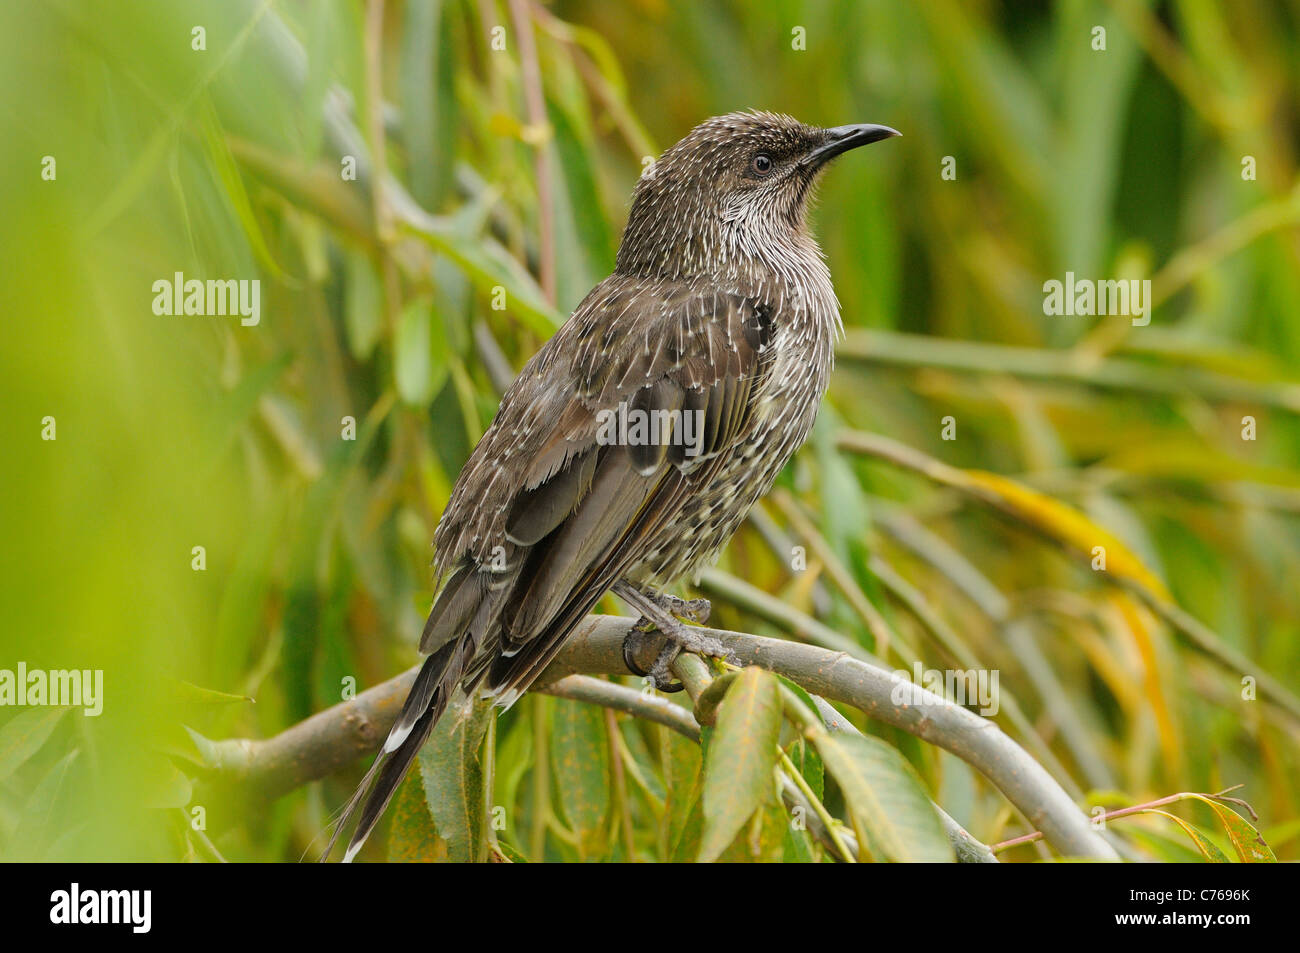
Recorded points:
(565, 512)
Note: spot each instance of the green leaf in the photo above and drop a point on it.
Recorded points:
(489, 266)
(227, 174)
(580, 228)
(687, 846)
(738, 768)
(681, 770)
(706, 705)
(580, 754)
(363, 304)
(412, 838)
(428, 99)
(798, 847)
(451, 770)
(762, 840)
(809, 762)
(22, 736)
(182, 692)
(419, 354)
(889, 808)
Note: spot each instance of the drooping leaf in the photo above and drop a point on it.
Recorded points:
(762, 840)
(419, 354)
(1063, 522)
(186, 693)
(682, 761)
(580, 755)
(687, 846)
(451, 770)
(232, 189)
(412, 838)
(887, 804)
(738, 767)
(363, 304)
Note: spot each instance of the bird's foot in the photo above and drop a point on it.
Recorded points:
(690, 610)
(660, 626)
(637, 643)
(671, 639)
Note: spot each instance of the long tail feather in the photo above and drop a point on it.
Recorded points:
(390, 778)
(424, 705)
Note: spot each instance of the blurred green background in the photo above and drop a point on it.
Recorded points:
(177, 432)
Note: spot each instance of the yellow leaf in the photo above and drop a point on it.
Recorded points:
(1064, 523)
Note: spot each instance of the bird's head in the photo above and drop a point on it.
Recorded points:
(736, 184)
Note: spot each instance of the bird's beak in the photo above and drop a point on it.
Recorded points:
(841, 139)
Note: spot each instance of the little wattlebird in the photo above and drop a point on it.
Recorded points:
(717, 324)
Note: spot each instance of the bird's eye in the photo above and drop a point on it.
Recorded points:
(762, 163)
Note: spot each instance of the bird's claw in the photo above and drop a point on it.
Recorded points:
(633, 644)
(676, 638)
(693, 610)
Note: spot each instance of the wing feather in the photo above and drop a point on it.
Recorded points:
(579, 513)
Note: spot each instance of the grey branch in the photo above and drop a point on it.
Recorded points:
(330, 740)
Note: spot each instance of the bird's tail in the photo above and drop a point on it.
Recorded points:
(438, 678)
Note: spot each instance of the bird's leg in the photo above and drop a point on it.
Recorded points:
(661, 613)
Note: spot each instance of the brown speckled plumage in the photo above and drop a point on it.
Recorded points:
(720, 302)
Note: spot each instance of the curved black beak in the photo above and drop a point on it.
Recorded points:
(840, 139)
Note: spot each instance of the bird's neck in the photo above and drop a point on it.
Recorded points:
(788, 270)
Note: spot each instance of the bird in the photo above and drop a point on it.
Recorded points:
(631, 446)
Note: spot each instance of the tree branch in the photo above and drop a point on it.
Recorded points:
(328, 741)
(595, 691)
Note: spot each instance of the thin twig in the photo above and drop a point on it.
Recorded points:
(1135, 809)
(832, 829)
(654, 708)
